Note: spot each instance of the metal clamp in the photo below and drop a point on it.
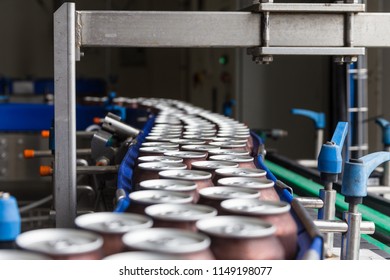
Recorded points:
(346, 54)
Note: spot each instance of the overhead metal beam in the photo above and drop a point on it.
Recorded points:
(227, 29)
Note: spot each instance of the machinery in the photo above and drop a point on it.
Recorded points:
(267, 30)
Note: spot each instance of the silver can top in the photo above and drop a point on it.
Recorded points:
(158, 166)
(108, 222)
(241, 172)
(159, 138)
(159, 196)
(213, 164)
(220, 151)
(186, 154)
(230, 140)
(193, 175)
(138, 255)
(180, 212)
(232, 158)
(255, 206)
(160, 144)
(236, 227)
(168, 185)
(58, 241)
(21, 255)
(198, 147)
(157, 150)
(252, 183)
(228, 145)
(167, 159)
(234, 135)
(182, 141)
(222, 193)
(164, 240)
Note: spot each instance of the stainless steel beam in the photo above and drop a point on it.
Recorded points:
(169, 29)
(227, 29)
(65, 115)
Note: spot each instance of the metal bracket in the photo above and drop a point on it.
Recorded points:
(264, 54)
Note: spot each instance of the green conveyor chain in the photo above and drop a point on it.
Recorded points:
(310, 188)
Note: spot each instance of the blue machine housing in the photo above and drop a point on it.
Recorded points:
(10, 222)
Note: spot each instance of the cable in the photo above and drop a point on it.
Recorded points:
(35, 204)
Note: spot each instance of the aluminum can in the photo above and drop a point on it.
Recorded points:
(242, 161)
(201, 178)
(182, 186)
(112, 226)
(149, 170)
(220, 151)
(21, 255)
(277, 213)
(264, 186)
(213, 196)
(181, 243)
(182, 216)
(239, 172)
(160, 159)
(62, 244)
(140, 255)
(160, 144)
(188, 156)
(139, 200)
(155, 151)
(241, 238)
(211, 166)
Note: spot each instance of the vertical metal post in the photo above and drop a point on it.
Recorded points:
(65, 115)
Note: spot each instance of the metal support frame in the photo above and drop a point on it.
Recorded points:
(65, 115)
(296, 30)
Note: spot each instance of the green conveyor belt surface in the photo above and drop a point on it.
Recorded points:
(310, 188)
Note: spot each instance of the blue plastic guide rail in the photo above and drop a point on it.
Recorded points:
(125, 172)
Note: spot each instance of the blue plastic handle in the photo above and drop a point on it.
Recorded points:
(356, 173)
(330, 160)
(317, 117)
(385, 125)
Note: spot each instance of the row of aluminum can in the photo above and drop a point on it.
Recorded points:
(198, 195)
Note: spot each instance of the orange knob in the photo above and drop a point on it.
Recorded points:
(45, 170)
(97, 120)
(28, 153)
(45, 133)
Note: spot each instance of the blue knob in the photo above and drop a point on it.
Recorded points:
(330, 159)
(385, 125)
(317, 117)
(9, 218)
(356, 173)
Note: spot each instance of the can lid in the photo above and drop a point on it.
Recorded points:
(232, 158)
(220, 151)
(157, 149)
(159, 196)
(222, 193)
(167, 159)
(59, 241)
(161, 165)
(241, 172)
(174, 241)
(213, 164)
(229, 140)
(180, 212)
(138, 255)
(182, 141)
(108, 222)
(160, 144)
(255, 206)
(186, 154)
(193, 175)
(199, 137)
(235, 135)
(235, 227)
(228, 144)
(168, 185)
(21, 255)
(198, 147)
(253, 183)
(159, 138)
